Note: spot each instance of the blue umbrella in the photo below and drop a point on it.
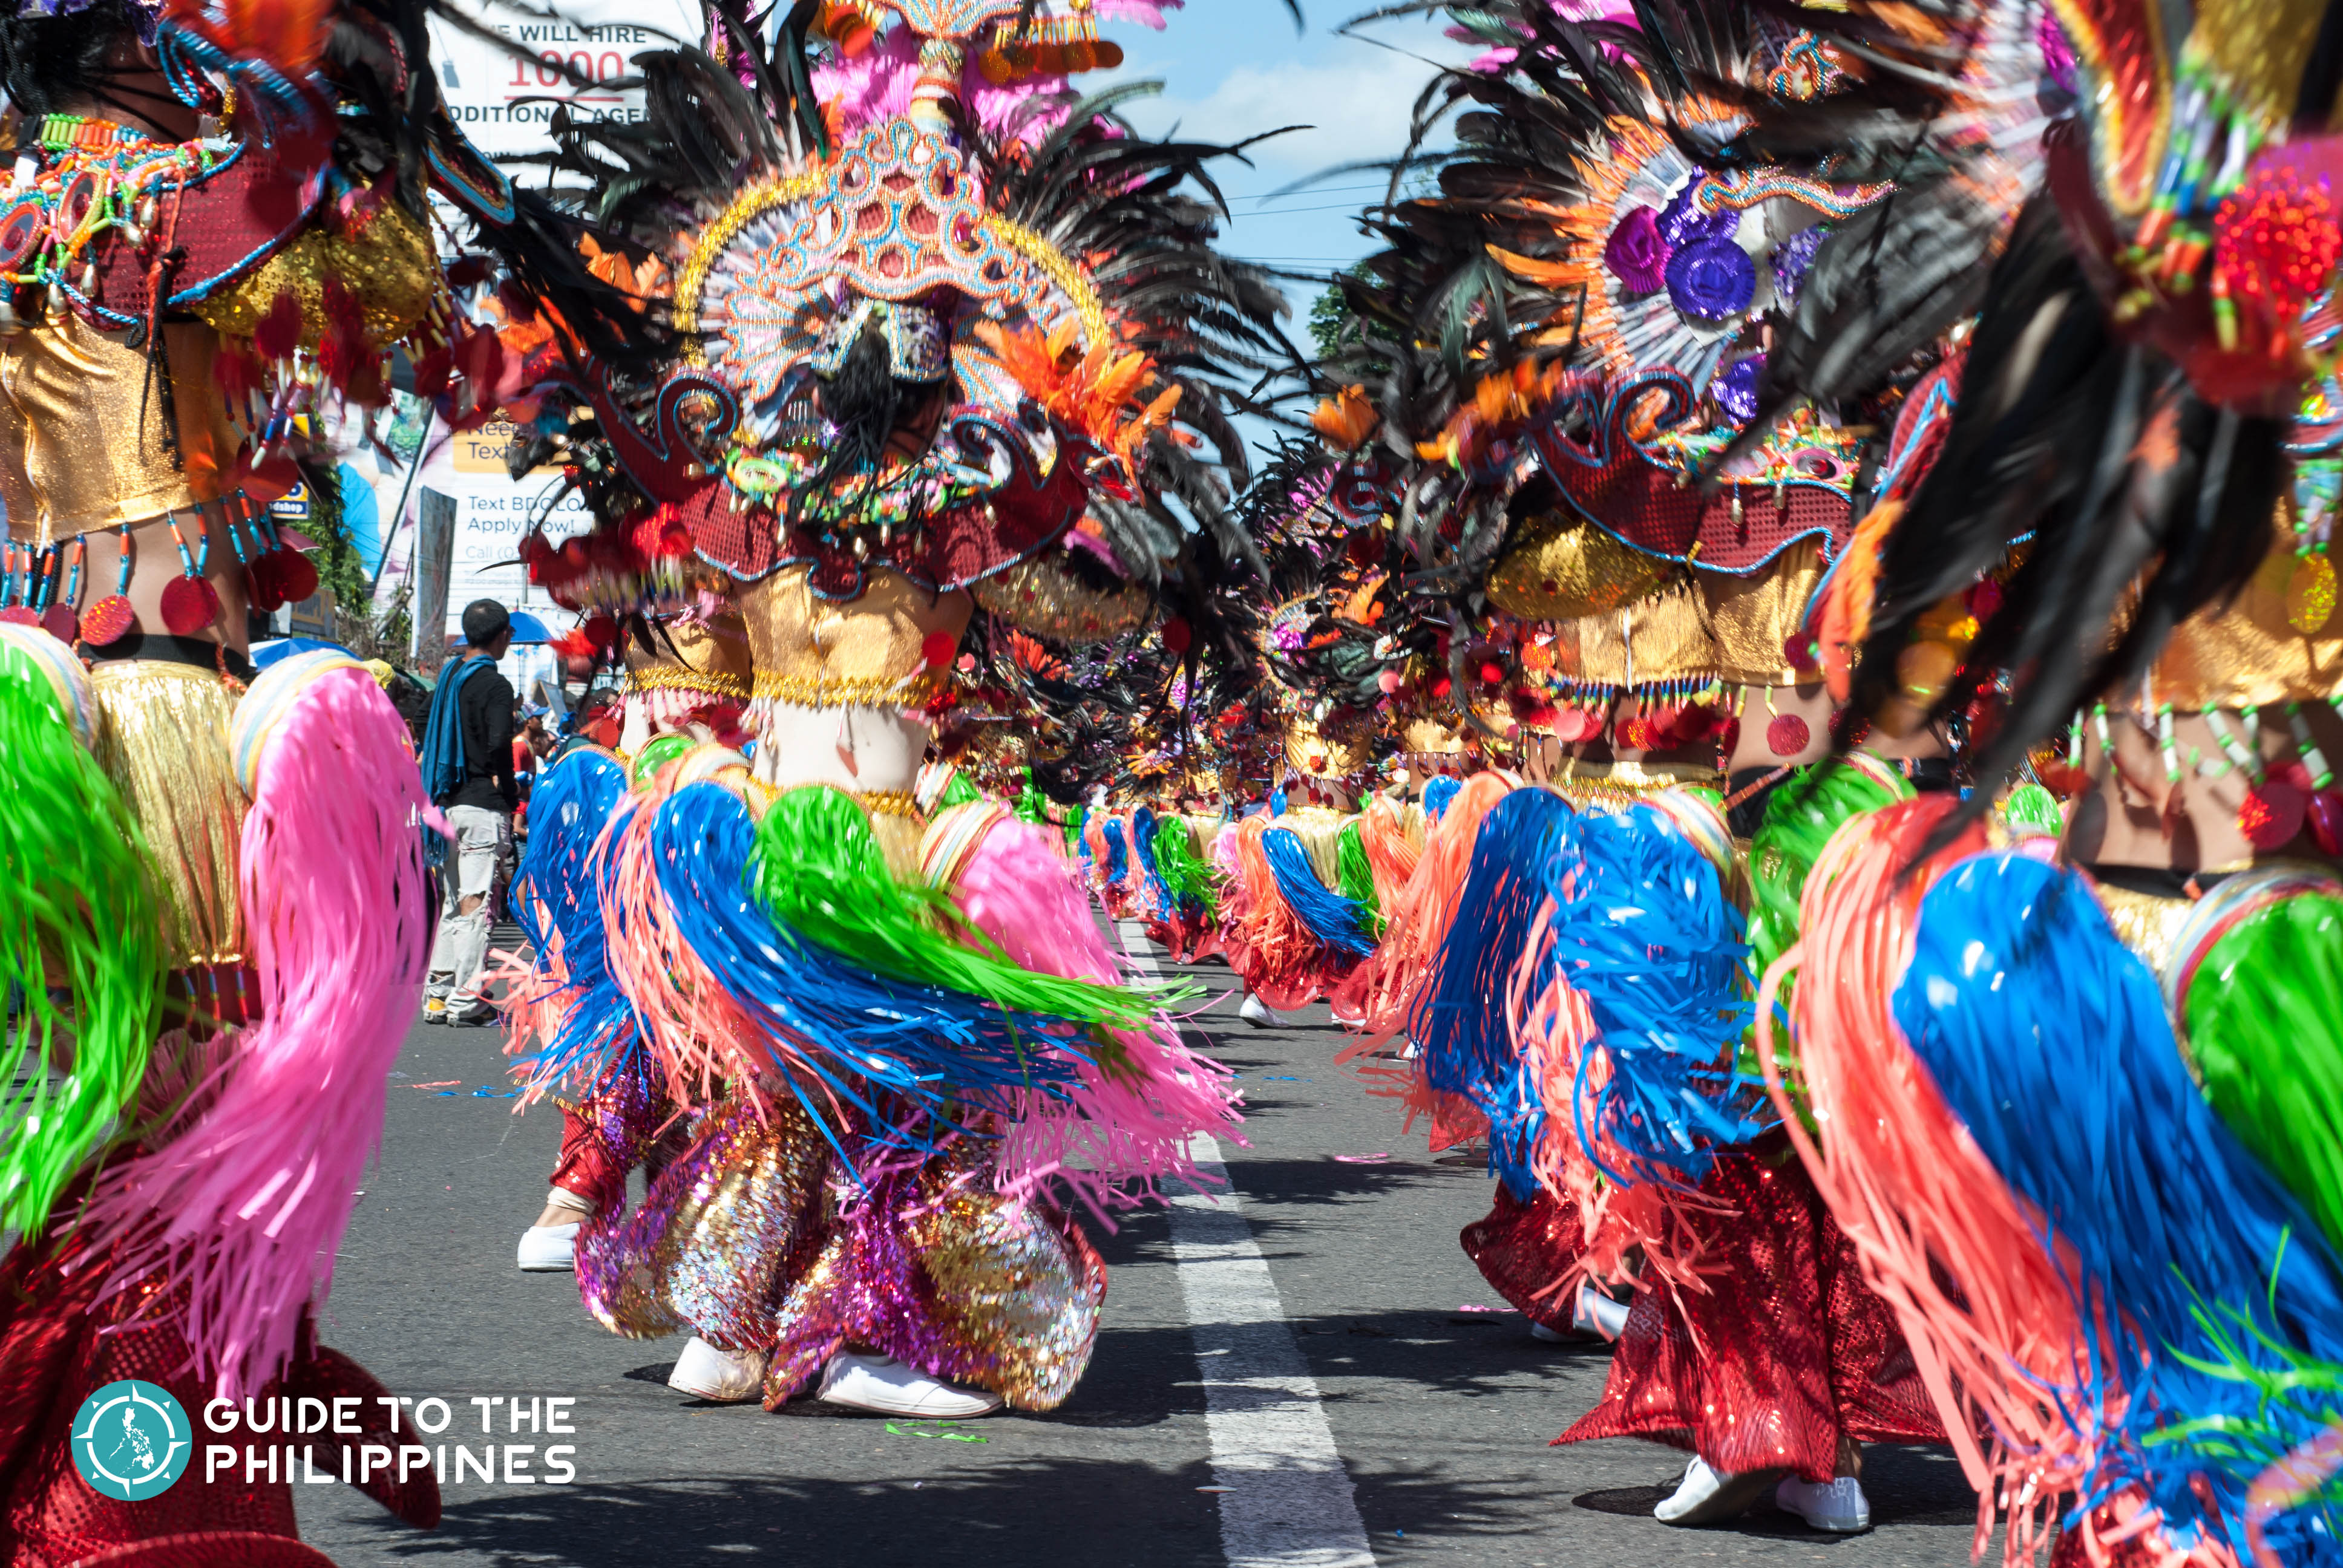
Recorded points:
(264, 654)
(525, 628)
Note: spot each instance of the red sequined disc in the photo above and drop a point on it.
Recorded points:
(2272, 814)
(297, 579)
(1788, 735)
(110, 619)
(189, 605)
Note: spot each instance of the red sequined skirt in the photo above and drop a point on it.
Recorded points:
(60, 1343)
(1788, 1352)
(1523, 1248)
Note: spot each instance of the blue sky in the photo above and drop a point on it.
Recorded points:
(1233, 69)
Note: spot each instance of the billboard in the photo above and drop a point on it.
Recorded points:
(503, 97)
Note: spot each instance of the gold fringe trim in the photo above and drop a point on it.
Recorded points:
(665, 678)
(844, 690)
(162, 737)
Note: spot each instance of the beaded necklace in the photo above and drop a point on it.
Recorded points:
(96, 176)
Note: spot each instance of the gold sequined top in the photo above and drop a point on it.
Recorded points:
(82, 439)
(384, 257)
(1312, 754)
(2250, 655)
(869, 653)
(2146, 923)
(1719, 626)
(710, 657)
(1429, 738)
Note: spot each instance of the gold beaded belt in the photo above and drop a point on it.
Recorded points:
(890, 803)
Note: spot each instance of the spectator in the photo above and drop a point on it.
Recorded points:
(468, 768)
(530, 747)
(534, 742)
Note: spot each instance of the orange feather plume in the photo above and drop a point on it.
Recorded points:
(1093, 394)
(1345, 420)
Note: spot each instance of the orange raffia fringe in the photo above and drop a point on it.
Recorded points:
(1846, 604)
(1278, 956)
(1378, 994)
(1990, 1314)
(1391, 857)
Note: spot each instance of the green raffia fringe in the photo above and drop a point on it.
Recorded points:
(818, 870)
(1800, 815)
(81, 951)
(2032, 805)
(1358, 877)
(1190, 880)
(2265, 1028)
(1033, 806)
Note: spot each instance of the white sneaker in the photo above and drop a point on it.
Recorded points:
(885, 1386)
(718, 1376)
(549, 1248)
(1704, 1497)
(1839, 1506)
(1256, 1013)
(1545, 1335)
(1599, 1313)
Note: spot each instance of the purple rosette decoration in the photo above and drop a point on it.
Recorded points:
(1637, 255)
(1712, 279)
(1682, 224)
(1735, 387)
(1792, 257)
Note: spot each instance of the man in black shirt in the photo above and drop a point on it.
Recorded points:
(467, 765)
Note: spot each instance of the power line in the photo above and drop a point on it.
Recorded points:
(1313, 190)
(1278, 211)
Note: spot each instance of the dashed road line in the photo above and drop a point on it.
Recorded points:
(1288, 1502)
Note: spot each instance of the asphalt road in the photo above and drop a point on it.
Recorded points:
(1439, 1418)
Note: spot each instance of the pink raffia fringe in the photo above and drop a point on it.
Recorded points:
(243, 1197)
(1120, 1130)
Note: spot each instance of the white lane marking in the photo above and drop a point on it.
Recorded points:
(1290, 1503)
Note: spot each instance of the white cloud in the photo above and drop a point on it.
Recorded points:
(1356, 102)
